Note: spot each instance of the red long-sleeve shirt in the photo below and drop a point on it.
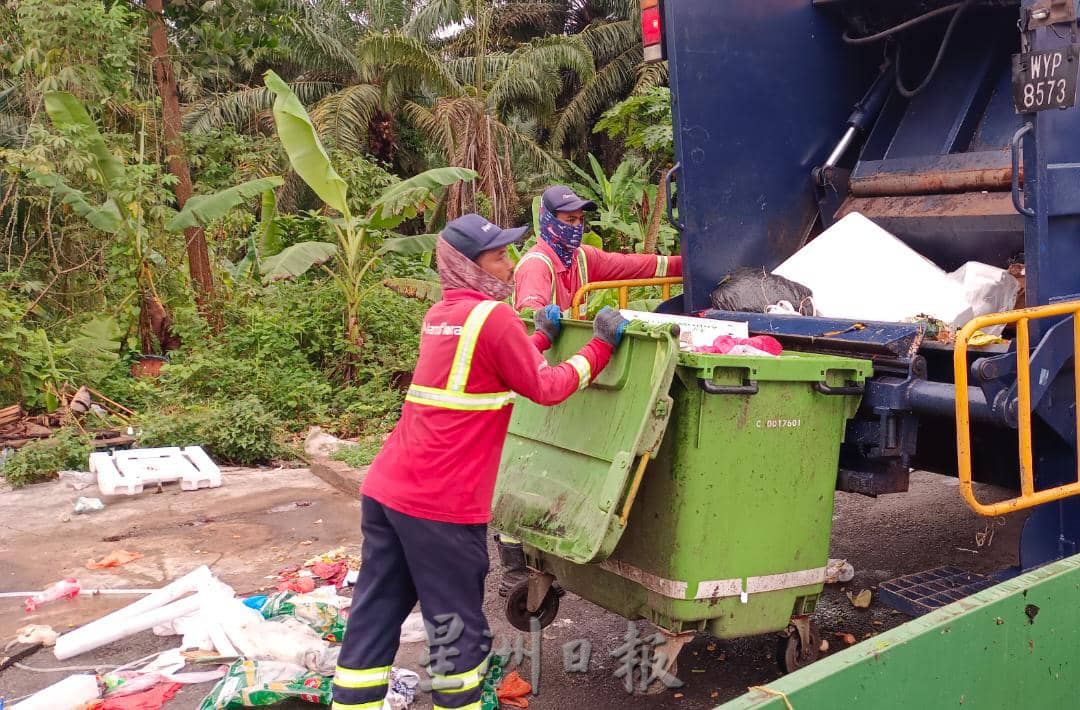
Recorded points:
(441, 463)
(532, 278)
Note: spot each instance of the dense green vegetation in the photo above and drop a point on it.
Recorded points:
(249, 187)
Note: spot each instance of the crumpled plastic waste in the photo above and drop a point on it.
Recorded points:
(324, 614)
(113, 559)
(757, 346)
(64, 589)
(839, 571)
(402, 691)
(256, 683)
(88, 505)
(513, 691)
(152, 698)
(36, 633)
(413, 631)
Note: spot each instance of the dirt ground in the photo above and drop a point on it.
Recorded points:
(262, 520)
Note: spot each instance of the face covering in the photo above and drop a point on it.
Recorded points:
(564, 239)
(459, 271)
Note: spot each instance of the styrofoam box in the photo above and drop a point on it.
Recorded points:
(128, 472)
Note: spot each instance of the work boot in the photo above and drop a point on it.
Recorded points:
(512, 559)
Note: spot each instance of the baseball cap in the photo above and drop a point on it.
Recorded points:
(471, 234)
(560, 198)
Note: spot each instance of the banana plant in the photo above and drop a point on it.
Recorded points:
(361, 240)
(115, 216)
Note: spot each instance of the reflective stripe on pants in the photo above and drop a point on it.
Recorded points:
(407, 559)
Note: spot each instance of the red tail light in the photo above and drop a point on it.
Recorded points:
(651, 30)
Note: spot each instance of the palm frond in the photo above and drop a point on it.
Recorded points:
(610, 84)
(433, 16)
(539, 16)
(650, 76)
(530, 151)
(342, 118)
(536, 71)
(464, 68)
(242, 108)
(608, 40)
(430, 124)
(412, 55)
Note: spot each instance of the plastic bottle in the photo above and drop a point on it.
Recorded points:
(66, 588)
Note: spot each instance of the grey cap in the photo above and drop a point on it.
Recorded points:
(472, 235)
(559, 198)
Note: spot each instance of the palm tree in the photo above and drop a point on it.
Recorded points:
(611, 29)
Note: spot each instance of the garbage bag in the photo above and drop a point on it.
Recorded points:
(753, 290)
(257, 683)
(321, 615)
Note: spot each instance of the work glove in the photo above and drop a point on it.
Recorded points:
(548, 321)
(609, 326)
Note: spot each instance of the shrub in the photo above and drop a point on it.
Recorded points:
(41, 459)
(240, 432)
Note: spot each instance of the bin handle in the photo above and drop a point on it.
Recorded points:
(850, 388)
(751, 387)
(1015, 146)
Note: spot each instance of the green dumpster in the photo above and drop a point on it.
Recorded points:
(691, 490)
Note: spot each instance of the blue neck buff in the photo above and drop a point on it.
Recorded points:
(564, 239)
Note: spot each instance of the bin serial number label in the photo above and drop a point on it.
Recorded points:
(778, 423)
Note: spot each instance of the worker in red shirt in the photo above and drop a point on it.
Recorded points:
(426, 498)
(554, 269)
(552, 272)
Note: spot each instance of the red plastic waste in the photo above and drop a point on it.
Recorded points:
(151, 699)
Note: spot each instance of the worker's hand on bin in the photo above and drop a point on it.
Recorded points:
(609, 326)
(548, 321)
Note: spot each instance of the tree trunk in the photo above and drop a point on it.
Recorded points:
(649, 247)
(202, 279)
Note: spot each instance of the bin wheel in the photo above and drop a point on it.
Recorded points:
(517, 607)
(792, 654)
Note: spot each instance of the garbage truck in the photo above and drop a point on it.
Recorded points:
(954, 127)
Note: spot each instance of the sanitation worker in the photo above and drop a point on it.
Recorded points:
(426, 498)
(554, 269)
(551, 273)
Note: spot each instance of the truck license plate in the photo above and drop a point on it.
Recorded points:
(1045, 80)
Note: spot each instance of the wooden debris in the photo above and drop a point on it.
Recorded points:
(10, 415)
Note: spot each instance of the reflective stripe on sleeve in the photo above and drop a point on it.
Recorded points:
(584, 370)
(661, 266)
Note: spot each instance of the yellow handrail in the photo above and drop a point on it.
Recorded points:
(665, 282)
(1028, 497)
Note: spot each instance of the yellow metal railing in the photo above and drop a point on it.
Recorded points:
(664, 282)
(1028, 497)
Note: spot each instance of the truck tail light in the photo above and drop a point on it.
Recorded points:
(651, 30)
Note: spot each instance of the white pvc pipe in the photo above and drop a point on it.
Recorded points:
(72, 692)
(98, 634)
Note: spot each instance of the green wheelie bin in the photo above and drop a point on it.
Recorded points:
(691, 490)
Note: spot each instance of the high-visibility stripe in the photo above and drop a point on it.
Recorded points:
(466, 401)
(582, 266)
(584, 370)
(460, 682)
(373, 705)
(361, 678)
(551, 268)
(583, 277)
(471, 706)
(661, 266)
(470, 332)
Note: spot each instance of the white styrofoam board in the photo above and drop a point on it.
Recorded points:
(129, 472)
(856, 269)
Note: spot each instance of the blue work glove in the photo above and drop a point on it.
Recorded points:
(609, 326)
(548, 321)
